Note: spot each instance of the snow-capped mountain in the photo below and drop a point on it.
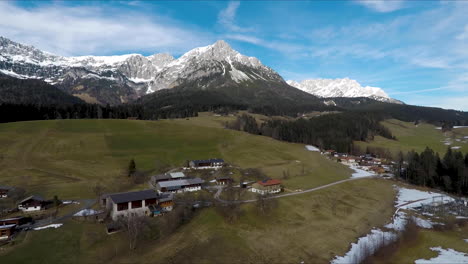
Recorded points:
(119, 79)
(345, 87)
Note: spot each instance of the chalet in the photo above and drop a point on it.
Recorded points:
(32, 203)
(131, 203)
(267, 187)
(206, 164)
(18, 221)
(377, 169)
(6, 231)
(179, 186)
(223, 180)
(329, 152)
(349, 160)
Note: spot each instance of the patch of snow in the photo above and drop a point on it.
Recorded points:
(466, 240)
(360, 173)
(447, 143)
(70, 202)
(369, 244)
(460, 126)
(423, 223)
(48, 226)
(88, 212)
(445, 256)
(139, 80)
(438, 128)
(399, 221)
(411, 198)
(461, 217)
(456, 147)
(312, 148)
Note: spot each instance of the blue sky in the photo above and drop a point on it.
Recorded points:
(417, 51)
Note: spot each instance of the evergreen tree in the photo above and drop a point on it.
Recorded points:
(131, 167)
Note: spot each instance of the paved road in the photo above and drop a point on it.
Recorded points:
(294, 193)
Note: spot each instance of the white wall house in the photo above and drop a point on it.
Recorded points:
(206, 164)
(32, 203)
(132, 203)
(180, 186)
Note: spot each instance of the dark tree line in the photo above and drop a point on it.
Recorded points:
(25, 112)
(449, 173)
(332, 131)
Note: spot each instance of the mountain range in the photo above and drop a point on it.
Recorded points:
(127, 78)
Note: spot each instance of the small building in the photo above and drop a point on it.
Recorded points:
(165, 204)
(377, 169)
(267, 187)
(6, 231)
(329, 152)
(167, 177)
(19, 221)
(224, 180)
(206, 164)
(179, 186)
(32, 203)
(4, 190)
(129, 203)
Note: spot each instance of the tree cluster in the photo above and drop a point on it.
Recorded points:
(333, 131)
(449, 173)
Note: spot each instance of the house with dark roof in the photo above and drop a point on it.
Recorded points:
(132, 203)
(4, 190)
(224, 180)
(19, 221)
(179, 186)
(32, 203)
(206, 164)
(267, 187)
(167, 177)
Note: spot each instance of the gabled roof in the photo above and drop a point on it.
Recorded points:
(6, 188)
(132, 196)
(160, 177)
(32, 197)
(184, 182)
(166, 197)
(224, 177)
(269, 182)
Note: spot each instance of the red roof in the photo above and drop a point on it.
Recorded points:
(269, 182)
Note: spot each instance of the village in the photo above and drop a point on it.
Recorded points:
(157, 200)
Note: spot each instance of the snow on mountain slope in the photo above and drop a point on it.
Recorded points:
(341, 88)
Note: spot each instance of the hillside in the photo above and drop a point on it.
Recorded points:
(29, 91)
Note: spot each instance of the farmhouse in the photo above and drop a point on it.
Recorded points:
(6, 231)
(223, 180)
(206, 164)
(179, 186)
(267, 187)
(20, 220)
(167, 177)
(4, 191)
(131, 203)
(32, 203)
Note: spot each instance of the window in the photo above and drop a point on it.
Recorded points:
(122, 206)
(136, 204)
(3, 233)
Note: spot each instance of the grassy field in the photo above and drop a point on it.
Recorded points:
(410, 137)
(301, 228)
(68, 157)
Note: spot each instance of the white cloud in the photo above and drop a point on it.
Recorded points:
(227, 18)
(382, 6)
(464, 34)
(91, 30)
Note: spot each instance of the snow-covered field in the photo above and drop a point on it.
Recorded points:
(445, 256)
(406, 199)
(48, 226)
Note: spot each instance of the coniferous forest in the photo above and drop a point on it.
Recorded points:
(331, 131)
(448, 173)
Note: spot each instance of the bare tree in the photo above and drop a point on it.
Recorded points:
(134, 226)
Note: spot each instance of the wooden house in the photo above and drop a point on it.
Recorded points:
(6, 231)
(19, 221)
(224, 180)
(267, 187)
